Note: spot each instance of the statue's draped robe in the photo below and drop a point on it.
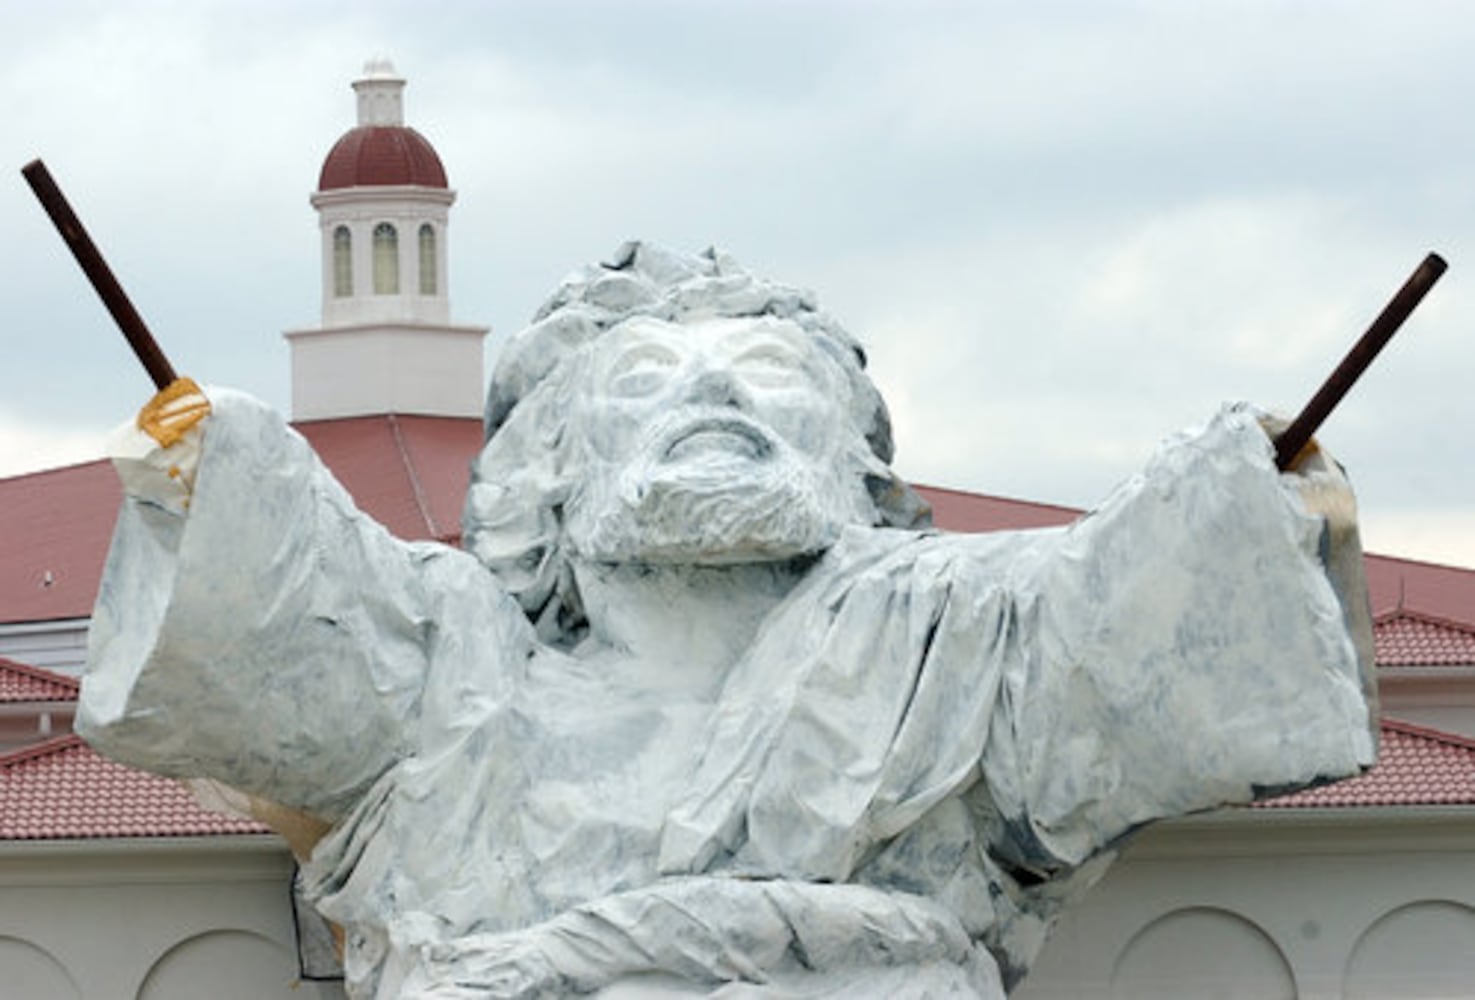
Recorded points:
(931, 744)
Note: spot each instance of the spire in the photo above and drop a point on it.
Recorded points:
(380, 94)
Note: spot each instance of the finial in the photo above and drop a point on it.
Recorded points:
(379, 67)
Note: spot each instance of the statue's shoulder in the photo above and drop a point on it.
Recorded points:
(860, 545)
(883, 554)
(929, 560)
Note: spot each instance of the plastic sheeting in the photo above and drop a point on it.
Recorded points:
(930, 745)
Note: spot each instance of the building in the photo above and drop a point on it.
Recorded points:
(117, 884)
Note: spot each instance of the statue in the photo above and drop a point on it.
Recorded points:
(706, 708)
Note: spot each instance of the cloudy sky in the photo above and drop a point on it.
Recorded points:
(1062, 229)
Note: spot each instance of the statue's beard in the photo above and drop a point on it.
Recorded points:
(715, 509)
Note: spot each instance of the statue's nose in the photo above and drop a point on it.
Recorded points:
(716, 387)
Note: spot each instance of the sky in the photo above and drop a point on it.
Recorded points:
(1062, 230)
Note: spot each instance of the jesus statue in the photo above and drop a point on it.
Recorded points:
(705, 707)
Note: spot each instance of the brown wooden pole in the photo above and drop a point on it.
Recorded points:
(1295, 437)
(98, 272)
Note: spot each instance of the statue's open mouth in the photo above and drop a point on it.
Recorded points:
(720, 434)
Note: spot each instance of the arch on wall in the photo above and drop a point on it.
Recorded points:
(31, 971)
(386, 259)
(342, 262)
(1202, 951)
(1421, 949)
(226, 964)
(427, 259)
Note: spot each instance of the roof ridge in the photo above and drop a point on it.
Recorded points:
(1426, 732)
(1411, 561)
(1395, 614)
(955, 491)
(40, 673)
(416, 490)
(45, 748)
(53, 470)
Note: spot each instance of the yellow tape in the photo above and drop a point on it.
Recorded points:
(165, 418)
(1308, 450)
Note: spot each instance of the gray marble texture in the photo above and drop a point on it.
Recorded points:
(705, 708)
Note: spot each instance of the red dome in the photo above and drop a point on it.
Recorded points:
(379, 156)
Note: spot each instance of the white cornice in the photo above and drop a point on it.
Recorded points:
(338, 197)
(48, 625)
(1348, 830)
(226, 857)
(407, 326)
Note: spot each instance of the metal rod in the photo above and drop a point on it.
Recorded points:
(1295, 437)
(98, 272)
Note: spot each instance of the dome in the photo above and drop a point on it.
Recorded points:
(379, 156)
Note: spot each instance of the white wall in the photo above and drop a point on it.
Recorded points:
(56, 645)
(176, 919)
(1436, 697)
(394, 368)
(1310, 904)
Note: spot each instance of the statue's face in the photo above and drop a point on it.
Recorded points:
(730, 392)
(718, 440)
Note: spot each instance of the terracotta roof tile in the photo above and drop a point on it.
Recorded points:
(1410, 639)
(1445, 592)
(1416, 767)
(408, 472)
(1396, 584)
(63, 790)
(955, 510)
(54, 531)
(21, 683)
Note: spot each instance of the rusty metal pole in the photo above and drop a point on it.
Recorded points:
(1295, 437)
(98, 272)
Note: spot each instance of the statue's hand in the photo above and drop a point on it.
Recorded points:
(174, 409)
(1320, 481)
(157, 454)
(1326, 493)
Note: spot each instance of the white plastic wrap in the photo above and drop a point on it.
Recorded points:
(931, 743)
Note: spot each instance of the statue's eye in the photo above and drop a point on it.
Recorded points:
(770, 364)
(642, 370)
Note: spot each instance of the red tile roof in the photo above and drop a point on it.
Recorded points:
(62, 789)
(379, 156)
(1416, 767)
(54, 531)
(1410, 639)
(410, 473)
(959, 511)
(1394, 584)
(22, 683)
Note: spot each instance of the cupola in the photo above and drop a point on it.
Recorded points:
(386, 343)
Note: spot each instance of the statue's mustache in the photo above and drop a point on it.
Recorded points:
(728, 431)
(692, 428)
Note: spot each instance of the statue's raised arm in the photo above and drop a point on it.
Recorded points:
(255, 628)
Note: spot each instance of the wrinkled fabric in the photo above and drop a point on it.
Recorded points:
(933, 743)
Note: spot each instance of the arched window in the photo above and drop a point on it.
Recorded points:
(342, 262)
(386, 260)
(427, 259)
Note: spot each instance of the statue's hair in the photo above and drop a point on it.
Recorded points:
(513, 520)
